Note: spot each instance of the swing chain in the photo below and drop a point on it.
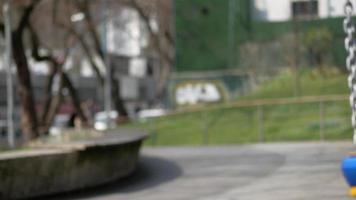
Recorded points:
(350, 46)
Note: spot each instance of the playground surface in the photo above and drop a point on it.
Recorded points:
(285, 171)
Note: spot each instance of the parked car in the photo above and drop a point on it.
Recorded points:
(103, 121)
(60, 123)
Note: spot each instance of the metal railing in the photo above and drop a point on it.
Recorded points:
(285, 119)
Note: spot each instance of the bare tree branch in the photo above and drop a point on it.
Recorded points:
(29, 122)
(83, 6)
(35, 47)
(49, 110)
(154, 36)
(158, 43)
(26, 16)
(69, 28)
(2, 29)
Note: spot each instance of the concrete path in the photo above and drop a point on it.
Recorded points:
(297, 171)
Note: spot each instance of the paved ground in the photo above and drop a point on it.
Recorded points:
(252, 172)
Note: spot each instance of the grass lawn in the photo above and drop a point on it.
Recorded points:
(312, 83)
(271, 123)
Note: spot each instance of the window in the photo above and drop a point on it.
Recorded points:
(305, 9)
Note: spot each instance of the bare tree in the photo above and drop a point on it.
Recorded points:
(52, 100)
(29, 123)
(156, 16)
(56, 68)
(84, 7)
(161, 40)
(29, 117)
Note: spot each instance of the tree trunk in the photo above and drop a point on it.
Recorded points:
(29, 124)
(52, 106)
(162, 82)
(116, 97)
(48, 96)
(162, 42)
(75, 99)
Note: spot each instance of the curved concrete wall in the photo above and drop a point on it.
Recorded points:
(78, 165)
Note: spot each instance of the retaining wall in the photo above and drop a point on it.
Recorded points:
(68, 167)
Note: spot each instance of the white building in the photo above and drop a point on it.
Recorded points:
(135, 66)
(284, 10)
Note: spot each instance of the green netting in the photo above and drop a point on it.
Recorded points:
(202, 33)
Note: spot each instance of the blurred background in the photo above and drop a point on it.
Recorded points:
(191, 72)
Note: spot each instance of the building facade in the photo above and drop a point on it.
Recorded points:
(284, 10)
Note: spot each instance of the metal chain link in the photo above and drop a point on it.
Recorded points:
(350, 46)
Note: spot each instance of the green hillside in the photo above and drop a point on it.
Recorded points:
(311, 83)
(277, 123)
